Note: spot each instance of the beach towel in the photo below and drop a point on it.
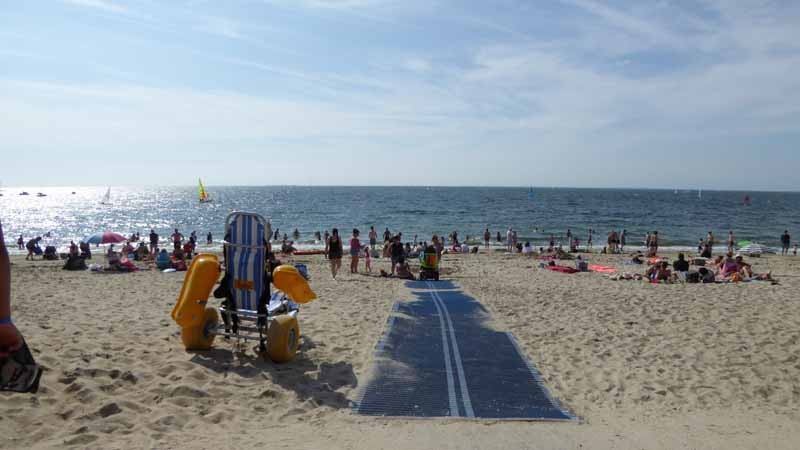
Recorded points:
(563, 269)
(601, 269)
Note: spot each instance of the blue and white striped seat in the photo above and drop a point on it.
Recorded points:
(246, 261)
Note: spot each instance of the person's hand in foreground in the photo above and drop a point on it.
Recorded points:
(10, 338)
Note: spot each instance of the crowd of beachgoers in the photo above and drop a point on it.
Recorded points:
(176, 252)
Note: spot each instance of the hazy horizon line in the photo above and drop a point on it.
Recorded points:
(534, 187)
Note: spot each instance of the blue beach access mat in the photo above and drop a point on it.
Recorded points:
(437, 359)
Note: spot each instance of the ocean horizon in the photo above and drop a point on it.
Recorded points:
(535, 212)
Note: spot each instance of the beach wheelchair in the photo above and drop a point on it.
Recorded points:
(429, 264)
(248, 311)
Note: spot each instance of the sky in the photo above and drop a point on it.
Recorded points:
(585, 93)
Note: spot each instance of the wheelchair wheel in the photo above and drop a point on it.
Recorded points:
(283, 338)
(199, 337)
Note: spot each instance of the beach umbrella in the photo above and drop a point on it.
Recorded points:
(106, 237)
(755, 249)
(743, 243)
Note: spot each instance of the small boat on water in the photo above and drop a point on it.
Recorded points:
(201, 190)
(24, 193)
(39, 194)
(106, 198)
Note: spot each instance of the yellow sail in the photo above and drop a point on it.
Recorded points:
(202, 191)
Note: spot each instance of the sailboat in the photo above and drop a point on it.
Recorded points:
(204, 197)
(530, 194)
(106, 198)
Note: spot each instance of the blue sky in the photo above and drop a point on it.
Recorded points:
(380, 92)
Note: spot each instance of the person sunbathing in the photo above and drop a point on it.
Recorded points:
(729, 266)
(745, 269)
(403, 270)
(659, 272)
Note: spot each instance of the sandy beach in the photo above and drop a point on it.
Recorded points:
(644, 366)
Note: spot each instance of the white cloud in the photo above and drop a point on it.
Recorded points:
(104, 5)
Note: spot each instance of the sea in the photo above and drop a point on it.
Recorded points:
(681, 217)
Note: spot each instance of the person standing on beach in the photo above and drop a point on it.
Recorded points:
(296, 234)
(487, 236)
(31, 247)
(569, 238)
(786, 242)
(209, 238)
(654, 243)
(386, 235)
(373, 238)
(153, 241)
(508, 240)
(355, 251)
(20, 243)
(277, 234)
(10, 338)
(731, 241)
(396, 251)
(623, 237)
(499, 238)
(589, 241)
(177, 239)
(334, 251)
(710, 239)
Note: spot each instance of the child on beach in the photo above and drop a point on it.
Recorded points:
(355, 250)
(367, 260)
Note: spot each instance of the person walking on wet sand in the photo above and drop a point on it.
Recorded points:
(20, 243)
(487, 236)
(334, 251)
(373, 238)
(786, 242)
(177, 239)
(731, 241)
(653, 244)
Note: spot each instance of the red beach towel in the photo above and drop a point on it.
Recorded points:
(563, 269)
(601, 269)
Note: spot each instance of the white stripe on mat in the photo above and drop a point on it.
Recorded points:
(451, 391)
(462, 379)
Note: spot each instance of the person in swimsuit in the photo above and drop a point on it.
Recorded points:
(786, 242)
(20, 243)
(10, 338)
(355, 251)
(487, 236)
(373, 238)
(728, 266)
(731, 241)
(367, 260)
(334, 251)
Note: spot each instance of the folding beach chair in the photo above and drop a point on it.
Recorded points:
(429, 264)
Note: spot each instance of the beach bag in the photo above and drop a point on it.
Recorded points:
(75, 263)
